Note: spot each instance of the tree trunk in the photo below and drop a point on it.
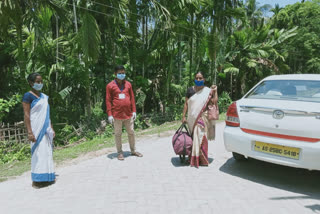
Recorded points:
(215, 67)
(88, 92)
(21, 55)
(57, 52)
(143, 40)
(113, 52)
(179, 58)
(75, 16)
(231, 94)
(133, 27)
(169, 77)
(191, 52)
(146, 38)
(211, 70)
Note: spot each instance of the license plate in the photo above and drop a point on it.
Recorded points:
(283, 151)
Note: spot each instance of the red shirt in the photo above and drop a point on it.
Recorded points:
(120, 100)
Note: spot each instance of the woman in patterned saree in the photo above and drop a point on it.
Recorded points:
(40, 133)
(197, 100)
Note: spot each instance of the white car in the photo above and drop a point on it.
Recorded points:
(277, 121)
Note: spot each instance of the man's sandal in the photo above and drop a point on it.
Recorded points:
(138, 154)
(120, 157)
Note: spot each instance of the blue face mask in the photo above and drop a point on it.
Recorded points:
(121, 76)
(199, 83)
(37, 86)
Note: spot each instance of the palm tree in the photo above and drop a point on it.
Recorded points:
(89, 40)
(26, 14)
(252, 51)
(276, 11)
(221, 15)
(254, 14)
(12, 12)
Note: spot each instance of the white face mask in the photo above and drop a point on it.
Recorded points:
(121, 76)
(37, 86)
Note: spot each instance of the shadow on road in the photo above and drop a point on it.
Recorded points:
(176, 162)
(287, 178)
(115, 155)
(314, 208)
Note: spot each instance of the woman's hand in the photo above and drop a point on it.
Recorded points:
(184, 120)
(53, 132)
(214, 87)
(31, 137)
(214, 98)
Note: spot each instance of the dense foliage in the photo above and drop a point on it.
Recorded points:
(162, 43)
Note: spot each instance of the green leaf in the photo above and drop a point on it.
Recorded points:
(252, 64)
(263, 53)
(89, 37)
(65, 92)
(232, 70)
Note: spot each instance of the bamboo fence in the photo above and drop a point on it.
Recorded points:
(16, 132)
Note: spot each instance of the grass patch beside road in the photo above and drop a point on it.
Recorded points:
(11, 170)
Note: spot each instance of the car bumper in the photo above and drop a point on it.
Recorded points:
(235, 140)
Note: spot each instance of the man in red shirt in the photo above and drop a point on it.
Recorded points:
(121, 109)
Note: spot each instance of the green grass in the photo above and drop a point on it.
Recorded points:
(10, 170)
(75, 151)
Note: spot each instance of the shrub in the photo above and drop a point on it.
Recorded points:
(7, 105)
(224, 102)
(12, 151)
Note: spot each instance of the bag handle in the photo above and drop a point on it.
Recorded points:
(186, 128)
(180, 128)
(183, 125)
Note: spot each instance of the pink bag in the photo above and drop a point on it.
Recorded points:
(213, 112)
(182, 142)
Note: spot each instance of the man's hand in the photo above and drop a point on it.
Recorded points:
(184, 120)
(110, 119)
(134, 115)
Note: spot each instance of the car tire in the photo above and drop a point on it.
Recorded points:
(238, 157)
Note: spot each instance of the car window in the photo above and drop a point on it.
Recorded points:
(303, 90)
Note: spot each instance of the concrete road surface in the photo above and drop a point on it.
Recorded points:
(158, 183)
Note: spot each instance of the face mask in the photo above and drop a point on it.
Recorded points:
(199, 83)
(37, 86)
(121, 76)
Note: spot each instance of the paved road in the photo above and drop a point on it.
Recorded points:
(158, 183)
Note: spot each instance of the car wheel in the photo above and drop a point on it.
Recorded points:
(238, 157)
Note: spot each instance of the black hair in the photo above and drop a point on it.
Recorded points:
(199, 72)
(32, 77)
(118, 68)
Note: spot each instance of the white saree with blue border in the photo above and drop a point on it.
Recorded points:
(42, 166)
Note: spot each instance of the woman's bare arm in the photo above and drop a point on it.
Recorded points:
(214, 97)
(27, 122)
(185, 108)
(54, 133)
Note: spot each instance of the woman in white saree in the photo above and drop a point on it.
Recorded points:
(197, 99)
(40, 132)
